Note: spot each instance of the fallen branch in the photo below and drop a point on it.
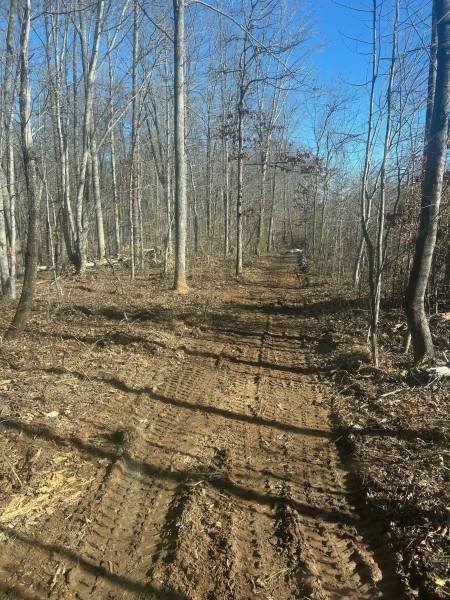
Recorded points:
(391, 393)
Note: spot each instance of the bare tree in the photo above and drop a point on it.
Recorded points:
(434, 156)
(90, 76)
(133, 200)
(7, 184)
(180, 151)
(375, 248)
(115, 194)
(4, 266)
(30, 167)
(53, 26)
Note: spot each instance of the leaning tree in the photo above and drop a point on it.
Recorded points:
(434, 168)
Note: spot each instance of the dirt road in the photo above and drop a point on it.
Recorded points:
(195, 466)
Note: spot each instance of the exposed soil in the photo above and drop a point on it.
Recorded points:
(395, 435)
(154, 446)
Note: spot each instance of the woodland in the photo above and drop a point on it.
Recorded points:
(224, 300)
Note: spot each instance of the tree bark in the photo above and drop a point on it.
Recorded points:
(265, 154)
(209, 170)
(262, 197)
(4, 266)
(379, 266)
(364, 208)
(180, 284)
(97, 200)
(435, 154)
(8, 200)
(132, 188)
(61, 145)
(240, 185)
(29, 160)
(226, 203)
(168, 173)
(272, 207)
(90, 75)
(194, 209)
(112, 141)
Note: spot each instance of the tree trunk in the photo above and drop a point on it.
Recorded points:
(112, 141)
(366, 199)
(50, 236)
(262, 200)
(364, 209)
(386, 152)
(226, 202)
(240, 184)
(139, 209)
(134, 200)
(4, 267)
(168, 172)
(8, 274)
(90, 75)
(180, 284)
(29, 160)
(131, 221)
(431, 80)
(61, 145)
(435, 154)
(225, 151)
(194, 209)
(314, 224)
(97, 200)
(209, 175)
(167, 182)
(272, 207)
(360, 256)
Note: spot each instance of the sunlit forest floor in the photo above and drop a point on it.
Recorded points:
(233, 443)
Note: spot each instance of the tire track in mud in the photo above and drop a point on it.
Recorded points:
(227, 483)
(127, 530)
(121, 519)
(255, 565)
(114, 525)
(26, 548)
(340, 555)
(275, 548)
(226, 531)
(324, 553)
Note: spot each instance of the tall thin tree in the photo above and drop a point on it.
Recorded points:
(180, 284)
(434, 158)
(30, 167)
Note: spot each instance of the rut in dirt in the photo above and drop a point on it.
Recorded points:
(226, 482)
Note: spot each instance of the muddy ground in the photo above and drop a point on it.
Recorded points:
(215, 446)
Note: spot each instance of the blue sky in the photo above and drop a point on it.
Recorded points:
(338, 63)
(342, 64)
(341, 58)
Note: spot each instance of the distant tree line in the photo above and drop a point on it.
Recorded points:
(190, 129)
